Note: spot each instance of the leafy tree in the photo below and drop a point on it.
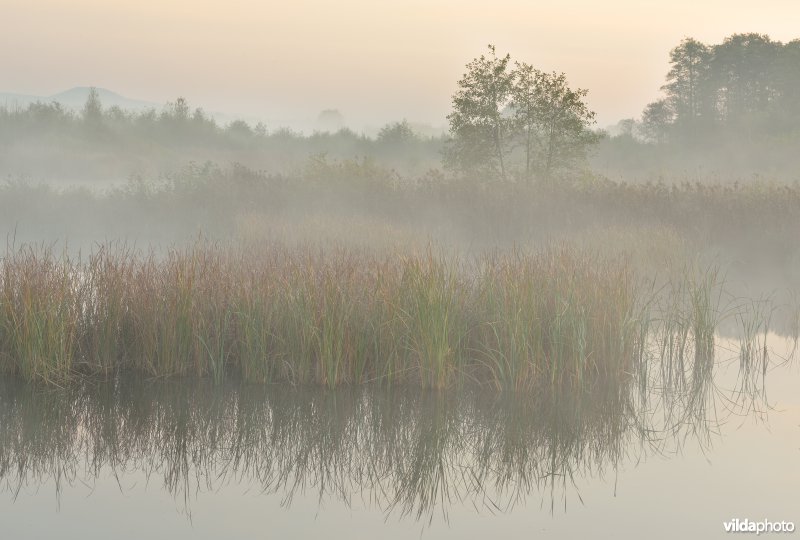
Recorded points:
(176, 113)
(657, 120)
(48, 115)
(688, 87)
(479, 124)
(497, 110)
(552, 119)
(744, 74)
(240, 128)
(627, 127)
(745, 86)
(180, 109)
(527, 111)
(398, 133)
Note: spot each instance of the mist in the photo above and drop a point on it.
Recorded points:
(358, 262)
(719, 142)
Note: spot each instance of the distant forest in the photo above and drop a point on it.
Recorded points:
(748, 85)
(729, 112)
(46, 141)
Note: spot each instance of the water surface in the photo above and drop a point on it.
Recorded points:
(178, 459)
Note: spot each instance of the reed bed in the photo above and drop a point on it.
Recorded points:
(561, 317)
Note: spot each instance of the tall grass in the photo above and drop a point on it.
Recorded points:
(562, 317)
(42, 308)
(557, 315)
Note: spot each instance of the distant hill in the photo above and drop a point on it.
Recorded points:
(74, 98)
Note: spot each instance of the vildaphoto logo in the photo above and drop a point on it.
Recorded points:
(764, 526)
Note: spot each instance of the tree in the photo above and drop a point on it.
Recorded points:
(687, 87)
(657, 119)
(627, 128)
(551, 119)
(260, 130)
(93, 110)
(744, 86)
(397, 134)
(787, 83)
(526, 105)
(478, 123)
(176, 113)
(497, 110)
(743, 68)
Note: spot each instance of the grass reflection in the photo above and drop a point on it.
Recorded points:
(410, 452)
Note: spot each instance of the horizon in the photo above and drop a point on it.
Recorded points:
(134, 104)
(358, 57)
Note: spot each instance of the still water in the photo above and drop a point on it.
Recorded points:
(671, 454)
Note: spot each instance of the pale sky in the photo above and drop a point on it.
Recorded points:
(376, 61)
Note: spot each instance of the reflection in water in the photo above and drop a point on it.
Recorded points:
(409, 453)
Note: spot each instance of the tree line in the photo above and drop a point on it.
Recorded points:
(176, 122)
(509, 121)
(89, 141)
(748, 84)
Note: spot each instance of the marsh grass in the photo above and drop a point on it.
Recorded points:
(558, 316)
(41, 310)
(565, 318)
(687, 311)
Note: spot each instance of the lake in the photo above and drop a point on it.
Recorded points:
(188, 459)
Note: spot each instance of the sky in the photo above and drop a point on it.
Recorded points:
(375, 60)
